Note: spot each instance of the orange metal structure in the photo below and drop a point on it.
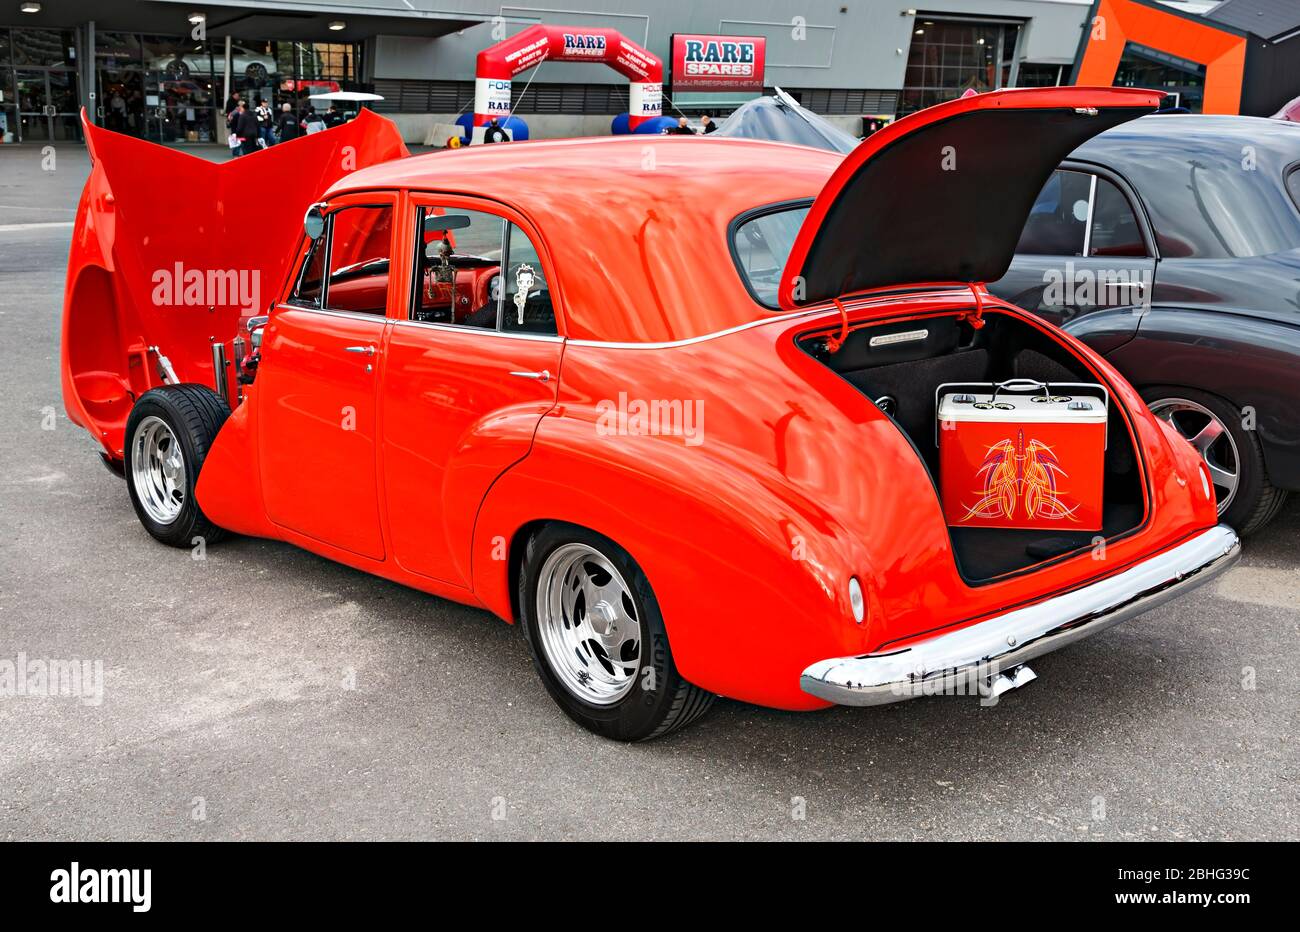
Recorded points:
(1116, 23)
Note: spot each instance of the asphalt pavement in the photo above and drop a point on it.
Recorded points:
(263, 692)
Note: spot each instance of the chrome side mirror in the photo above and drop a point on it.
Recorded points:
(255, 325)
(313, 224)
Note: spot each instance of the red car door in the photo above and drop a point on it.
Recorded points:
(318, 380)
(470, 369)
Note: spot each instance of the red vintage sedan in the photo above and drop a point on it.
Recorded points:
(669, 403)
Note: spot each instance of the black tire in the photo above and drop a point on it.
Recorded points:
(656, 703)
(1256, 501)
(194, 414)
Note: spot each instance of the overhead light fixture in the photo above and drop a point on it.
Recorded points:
(30, 8)
(338, 24)
(196, 18)
(920, 32)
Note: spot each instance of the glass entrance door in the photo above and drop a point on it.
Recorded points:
(185, 109)
(48, 104)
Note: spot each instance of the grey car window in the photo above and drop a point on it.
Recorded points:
(1059, 218)
(1212, 204)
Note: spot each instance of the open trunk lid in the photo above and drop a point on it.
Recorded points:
(942, 194)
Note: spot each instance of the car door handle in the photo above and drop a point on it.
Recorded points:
(543, 376)
(368, 350)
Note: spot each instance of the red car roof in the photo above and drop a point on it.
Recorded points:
(636, 225)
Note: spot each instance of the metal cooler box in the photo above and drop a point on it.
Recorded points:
(1022, 454)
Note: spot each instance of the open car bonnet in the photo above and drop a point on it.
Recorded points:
(171, 252)
(942, 194)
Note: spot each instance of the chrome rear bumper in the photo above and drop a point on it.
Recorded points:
(962, 661)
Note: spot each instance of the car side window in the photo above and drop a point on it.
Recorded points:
(459, 276)
(1115, 230)
(360, 239)
(307, 292)
(761, 246)
(527, 296)
(457, 266)
(1059, 218)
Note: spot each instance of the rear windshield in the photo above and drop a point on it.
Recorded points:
(761, 242)
(1214, 204)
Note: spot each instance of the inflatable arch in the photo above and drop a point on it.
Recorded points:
(498, 64)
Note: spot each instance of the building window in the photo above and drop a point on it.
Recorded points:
(1037, 74)
(162, 88)
(1150, 68)
(950, 56)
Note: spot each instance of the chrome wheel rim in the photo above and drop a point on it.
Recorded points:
(590, 632)
(158, 470)
(1212, 440)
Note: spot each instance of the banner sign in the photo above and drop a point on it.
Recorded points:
(718, 63)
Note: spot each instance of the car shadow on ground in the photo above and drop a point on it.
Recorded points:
(1155, 663)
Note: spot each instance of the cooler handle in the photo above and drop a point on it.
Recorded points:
(1034, 383)
(1020, 385)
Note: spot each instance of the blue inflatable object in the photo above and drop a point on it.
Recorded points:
(656, 126)
(619, 126)
(466, 123)
(517, 128)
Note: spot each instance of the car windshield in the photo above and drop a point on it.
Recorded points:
(761, 244)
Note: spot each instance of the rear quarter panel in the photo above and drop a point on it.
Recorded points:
(749, 537)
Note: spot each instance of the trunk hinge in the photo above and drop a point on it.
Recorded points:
(976, 317)
(833, 344)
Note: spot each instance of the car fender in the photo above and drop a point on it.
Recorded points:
(736, 526)
(1105, 330)
(229, 488)
(1252, 363)
(750, 580)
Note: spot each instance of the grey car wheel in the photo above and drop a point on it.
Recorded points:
(1224, 436)
(1212, 440)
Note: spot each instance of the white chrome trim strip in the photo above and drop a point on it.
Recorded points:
(853, 304)
(353, 315)
(455, 328)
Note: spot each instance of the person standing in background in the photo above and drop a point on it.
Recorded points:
(312, 120)
(709, 125)
(262, 110)
(246, 129)
(495, 132)
(288, 124)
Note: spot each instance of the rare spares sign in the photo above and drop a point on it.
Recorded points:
(718, 63)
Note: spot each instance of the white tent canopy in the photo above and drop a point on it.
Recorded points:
(353, 96)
